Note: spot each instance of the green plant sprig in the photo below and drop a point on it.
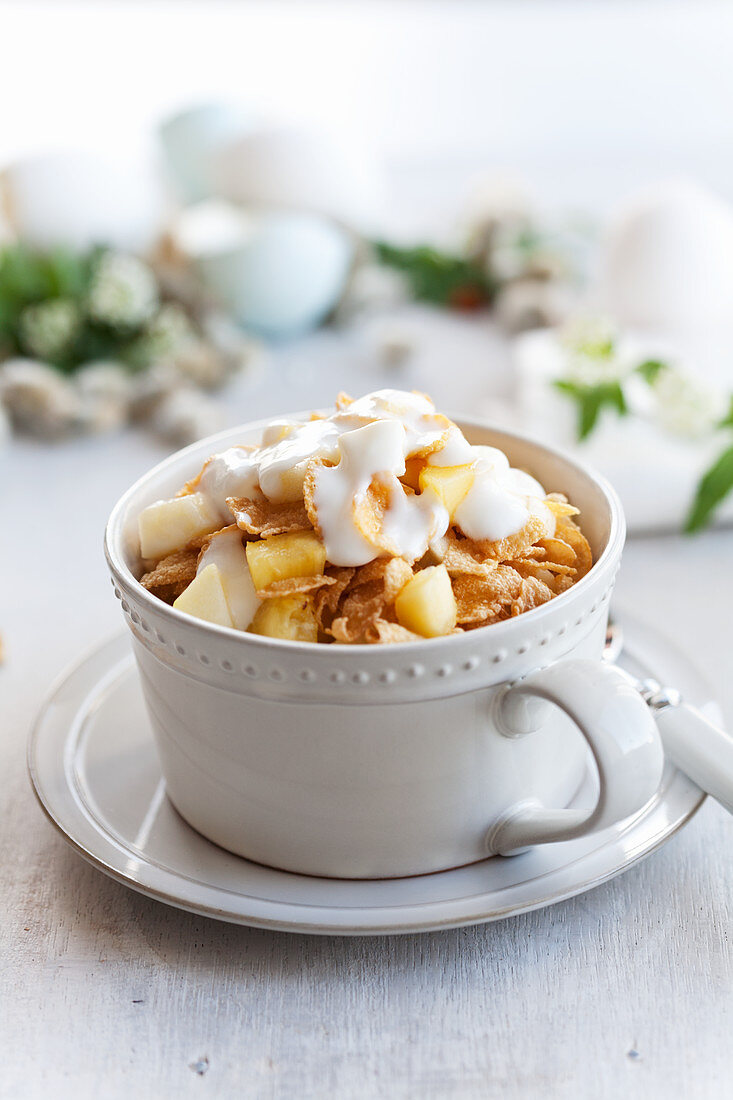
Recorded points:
(716, 483)
(31, 280)
(438, 277)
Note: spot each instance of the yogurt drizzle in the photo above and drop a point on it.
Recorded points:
(365, 444)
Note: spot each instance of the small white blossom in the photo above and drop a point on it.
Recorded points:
(48, 329)
(685, 406)
(168, 332)
(123, 291)
(595, 353)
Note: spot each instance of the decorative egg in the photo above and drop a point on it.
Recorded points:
(82, 199)
(300, 169)
(191, 139)
(279, 273)
(667, 261)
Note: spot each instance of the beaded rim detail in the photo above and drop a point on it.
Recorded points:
(412, 670)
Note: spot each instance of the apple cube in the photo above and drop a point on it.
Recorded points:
(295, 554)
(205, 598)
(449, 483)
(226, 552)
(167, 525)
(291, 617)
(426, 605)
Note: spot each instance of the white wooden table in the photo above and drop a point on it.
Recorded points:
(626, 991)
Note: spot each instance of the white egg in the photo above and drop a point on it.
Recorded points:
(667, 261)
(300, 169)
(193, 137)
(80, 199)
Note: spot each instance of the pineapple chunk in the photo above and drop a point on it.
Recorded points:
(168, 525)
(413, 467)
(449, 483)
(205, 598)
(289, 617)
(296, 554)
(426, 605)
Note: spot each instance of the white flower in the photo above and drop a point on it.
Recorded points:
(123, 291)
(168, 332)
(48, 329)
(685, 406)
(595, 353)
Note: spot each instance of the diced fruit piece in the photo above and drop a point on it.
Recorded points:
(277, 430)
(291, 483)
(290, 617)
(168, 525)
(226, 552)
(295, 554)
(449, 483)
(413, 467)
(426, 605)
(205, 599)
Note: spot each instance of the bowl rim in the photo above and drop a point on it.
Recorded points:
(124, 575)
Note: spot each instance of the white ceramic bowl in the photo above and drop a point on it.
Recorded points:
(377, 761)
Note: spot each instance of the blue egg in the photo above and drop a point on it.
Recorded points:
(285, 277)
(191, 139)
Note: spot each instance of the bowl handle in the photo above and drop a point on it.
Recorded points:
(621, 733)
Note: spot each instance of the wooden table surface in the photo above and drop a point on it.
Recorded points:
(626, 991)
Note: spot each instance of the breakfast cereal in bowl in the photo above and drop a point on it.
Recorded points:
(373, 523)
(262, 573)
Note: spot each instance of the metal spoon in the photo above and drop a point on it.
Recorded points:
(694, 745)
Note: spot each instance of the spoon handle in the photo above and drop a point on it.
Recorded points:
(700, 749)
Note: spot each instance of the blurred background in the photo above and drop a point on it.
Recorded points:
(218, 211)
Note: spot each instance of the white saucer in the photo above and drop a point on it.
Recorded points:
(95, 771)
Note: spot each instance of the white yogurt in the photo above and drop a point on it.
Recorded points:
(231, 473)
(456, 451)
(371, 438)
(282, 465)
(424, 427)
(410, 522)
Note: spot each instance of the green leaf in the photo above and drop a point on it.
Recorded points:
(591, 400)
(711, 491)
(437, 277)
(22, 276)
(727, 421)
(68, 273)
(650, 370)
